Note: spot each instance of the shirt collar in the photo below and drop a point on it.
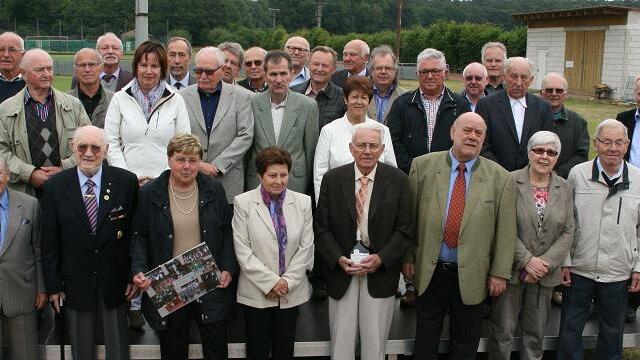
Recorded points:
(310, 89)
(4, 199)
(361, 73)
(15, 78)
(376, 91)
(279, 105)
(522, 101)
(184, 81)
(27, 96)
(601, 168)
(454, 163)
(97, 177)
(302, 74)
(371, 175)
(436, 99)
(116, 73)
(560, 115)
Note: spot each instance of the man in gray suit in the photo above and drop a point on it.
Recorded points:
(286, 119)
(22, 291)
(95, 99)
(179, 56)
(221, 118)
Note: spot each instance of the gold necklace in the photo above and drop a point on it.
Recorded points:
(176, 197)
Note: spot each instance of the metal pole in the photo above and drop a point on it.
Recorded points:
(142, 21)
(319, 5)
(38, 26)
(81, 29)
(167, 32)
(398, 27)
(59, 27)
(274, 12)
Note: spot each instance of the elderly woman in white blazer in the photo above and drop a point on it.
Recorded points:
(273, 239)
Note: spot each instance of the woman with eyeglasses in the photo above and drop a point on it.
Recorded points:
(333, 144)
(144, 116)
(544, 210)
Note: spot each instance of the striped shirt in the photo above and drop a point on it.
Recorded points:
(431, 112)
(42, 109)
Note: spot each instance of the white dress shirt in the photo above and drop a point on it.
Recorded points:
(518, 107)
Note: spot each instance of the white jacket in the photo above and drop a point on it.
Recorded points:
(332, 149)
(606, 243)
(136, 145)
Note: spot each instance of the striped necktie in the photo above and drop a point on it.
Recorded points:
(91, 205)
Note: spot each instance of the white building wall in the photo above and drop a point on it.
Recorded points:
(615, 58)
(551, 41)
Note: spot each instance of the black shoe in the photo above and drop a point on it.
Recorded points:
(631, 315)
(136, 320)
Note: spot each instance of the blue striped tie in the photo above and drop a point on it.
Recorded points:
(91, 204)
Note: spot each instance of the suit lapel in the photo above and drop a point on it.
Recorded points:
(552, 204)
(15, 218)
(288, 118)
(442, 190)
(263, 213)
(194, 103)
(478, 181)
(526, 125)
(76, 198)
(223, 105)
(264, 117)
(379, 185)
(508, 115)
(526, 198)
(349, 191)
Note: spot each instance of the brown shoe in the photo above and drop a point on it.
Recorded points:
(408, 299)
(136, 320)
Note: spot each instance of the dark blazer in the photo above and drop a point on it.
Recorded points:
(501, 144)
(339, 77)
(390, 226)
(628, 118)
(574, 138)
(408, 125)
(330, 101)
(124, 78)
(153, 241)
(75, 260)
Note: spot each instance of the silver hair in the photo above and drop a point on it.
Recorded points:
(384, 50)
(367, 125)
(544, 138)
(79, 131)
(565, 83)
(485, 74)
(11, 33)
(106, 35)
(178, 38)
(93, 51)
(509, 61)
(234, 48)
(493, 44)
(213, 51)
(364, 47)
(608, 123)
(428, 54)
(27, 55)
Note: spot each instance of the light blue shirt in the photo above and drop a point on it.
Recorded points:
(4, 216)
(634, 156)
(97, 177)
(382, 101)
(447, 254)
(301, 77)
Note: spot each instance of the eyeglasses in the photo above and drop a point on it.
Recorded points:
(541, 151)
(608, 143)
(360, 146)
(209, 72)
(294, 49)
(556, 91)
(473, 77)
(254, 62)
(90, 65)
(10, 50)
(82, 148)
(384, 68)
(427, 72)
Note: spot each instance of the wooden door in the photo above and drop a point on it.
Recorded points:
(583, 60)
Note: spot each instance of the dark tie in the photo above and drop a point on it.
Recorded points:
(107, 77)
(178, 85)
(456, 209)
(91, 205)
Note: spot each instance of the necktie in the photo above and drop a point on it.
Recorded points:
(177, 85)
(107, 77)
(91, 205)
(361, 198)
(456, 209)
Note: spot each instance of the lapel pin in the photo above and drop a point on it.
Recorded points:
(106, 197)
(108, 191)
(119, 234)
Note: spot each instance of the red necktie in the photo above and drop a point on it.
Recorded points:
(456, 209)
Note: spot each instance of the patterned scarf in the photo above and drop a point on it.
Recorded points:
(275, 210)
(149, 100)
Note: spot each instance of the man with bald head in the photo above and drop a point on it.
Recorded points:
(570, 126)
(37, 125)
(222, 119)
(475, 79)
(450, 191)
(11, 49)
(355, 57)
(87, 64)
(298, 48)
(86, 258)
(256, 80)
(513, 116)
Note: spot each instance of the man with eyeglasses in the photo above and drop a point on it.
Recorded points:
(328, 96)
(11, 49)
(420, 120)
(513, 116)
(112, 77)
(493, 56)
(355, 57)
(221, 118)
(37, 126)
(603, 261)
(298, 48)
(179, 56)
(234, 58)
(384, 73)
(570, 126)
(475, 79)
(94, 97)
(256, 80)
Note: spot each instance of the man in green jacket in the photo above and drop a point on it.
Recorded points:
(37, 126)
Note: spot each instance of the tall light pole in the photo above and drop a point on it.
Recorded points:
(142, 21)
(274, 12)
(319, 5)
(398, 27)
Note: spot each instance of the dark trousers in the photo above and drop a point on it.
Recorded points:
(271, 328)
(174, 341)
(465, 321)
(611, 306)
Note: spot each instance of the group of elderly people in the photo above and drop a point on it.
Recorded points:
(511, 236)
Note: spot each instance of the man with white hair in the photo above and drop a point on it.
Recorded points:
(494, 54)
(475, 80)
(513, 116)
(222, 119)
(11, 49)
(570, 126)
(420, 120)
(355, 57)
(95, 99)
(603, 261)
(234, 58)
(37, 126)
(113, 77)
(298, 48)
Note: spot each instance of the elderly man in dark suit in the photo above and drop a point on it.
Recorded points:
(365, 206)
(221, 118)
(86, 248)
(22, 291)
(513, 115)
(355, 57)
